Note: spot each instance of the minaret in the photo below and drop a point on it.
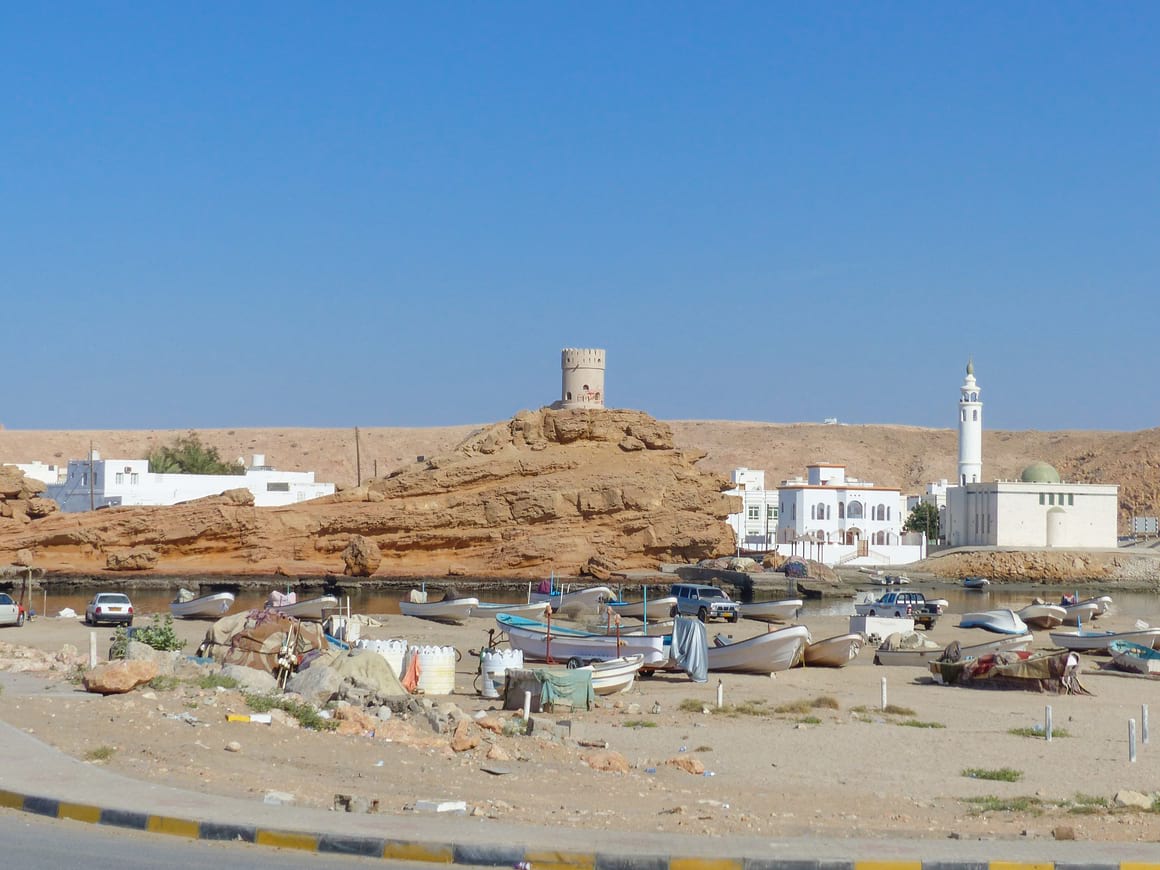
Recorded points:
(970, 429)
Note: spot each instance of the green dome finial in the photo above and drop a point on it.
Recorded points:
(970, 365)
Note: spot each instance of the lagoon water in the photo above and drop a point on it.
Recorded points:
(1136, 605)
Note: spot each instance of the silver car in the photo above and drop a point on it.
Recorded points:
(114, 608)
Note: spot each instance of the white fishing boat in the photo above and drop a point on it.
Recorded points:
(614, 675)
(834, 652)
(1098, 641)
(489, 610)
(656, 608)
(999, 644)
(588, 598)
(909, 649)
(539, 641)
(311, 608)
(976, 582)
(772, 611)
(764, 653)
(454, 609)
(1080, 614)
(1040, 615)
(1135, 658)
(998, 621)
(202, 607)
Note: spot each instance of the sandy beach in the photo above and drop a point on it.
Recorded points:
(807, 750)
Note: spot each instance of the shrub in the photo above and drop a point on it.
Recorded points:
(1001, 774)
(101, 753)
(307, 716)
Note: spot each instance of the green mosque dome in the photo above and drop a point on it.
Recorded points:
(1039, 472)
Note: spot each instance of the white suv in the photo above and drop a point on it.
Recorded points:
(704, 602)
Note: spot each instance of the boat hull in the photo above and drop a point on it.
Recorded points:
(204, 607)
(659, 608)
(1042, 616)
(310, 609)
(762, 654)
(616, 675)
(455, 610)
(539, 645)
(1135, 658)
(833, 652)
(772, 611)
(1098, 641)
(487, 610)
(998, 621)
(576, 601)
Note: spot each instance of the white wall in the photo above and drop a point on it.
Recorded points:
(1016, 514)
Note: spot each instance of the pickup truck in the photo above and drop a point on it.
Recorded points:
(912, 604)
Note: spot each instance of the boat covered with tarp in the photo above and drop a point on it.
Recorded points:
(1050, 671)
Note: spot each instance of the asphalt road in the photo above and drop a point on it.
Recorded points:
(38, 843)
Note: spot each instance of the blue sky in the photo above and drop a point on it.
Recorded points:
(311, 214)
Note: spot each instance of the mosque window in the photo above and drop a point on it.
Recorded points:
(1051, 498)
(1070, 500)
(974, 397)
(1042, 498)
(963, 415)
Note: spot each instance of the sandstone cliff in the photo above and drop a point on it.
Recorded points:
(571, 491)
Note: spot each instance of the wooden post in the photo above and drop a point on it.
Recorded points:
(1047, 723)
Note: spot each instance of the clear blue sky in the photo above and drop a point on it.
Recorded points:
(319, 214)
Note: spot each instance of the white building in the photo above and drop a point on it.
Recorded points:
(840, 520)
(1038, 510)
(97, 483)
(40, 471)
(755, 527)
(581, 378)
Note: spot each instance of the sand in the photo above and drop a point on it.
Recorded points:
(844, 769)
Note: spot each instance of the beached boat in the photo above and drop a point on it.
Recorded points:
(572, 601)
(909, 649)
(956, 650)
(615, 675)
(975, 582)
(998, 621)
(772, 611)
(764, 653)
(1080, 614)
(539, 641)
(1040, 615)
(656, 608)
(834, 652)
(1135, 658)
(1098, 641)
(312, 608)
(447, 610)
(203, 607)
(489, 610)
(1042, 671)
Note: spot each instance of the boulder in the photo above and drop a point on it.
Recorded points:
(118, 677)
(251, 680)
(361, 557)
(353, 721)
(318, 684)
(24, 558)
(166, 661)
(41, 507)
(1128, 798)
(607, 760)
(687, 763)
(464, 739)
(131, 560)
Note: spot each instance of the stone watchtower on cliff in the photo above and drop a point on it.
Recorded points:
(583, 378)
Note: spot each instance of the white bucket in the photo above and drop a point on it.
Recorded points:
(436, 668)
(494, 664)
(391, 650)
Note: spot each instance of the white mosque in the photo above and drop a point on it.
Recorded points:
(1037, 510)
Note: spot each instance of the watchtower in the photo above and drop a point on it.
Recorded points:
(583, 378)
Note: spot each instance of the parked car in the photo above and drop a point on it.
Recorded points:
(114, 608)
(898, 604)
(11, 613)
(705, 602)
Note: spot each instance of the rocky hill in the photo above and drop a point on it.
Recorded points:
(570, 491)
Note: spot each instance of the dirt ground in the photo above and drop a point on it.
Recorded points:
(780, 768)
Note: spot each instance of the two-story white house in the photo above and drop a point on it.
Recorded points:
(843, 520)
(755, 527)
(96, 483)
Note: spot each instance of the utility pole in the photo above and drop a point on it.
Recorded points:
(357, 459)
(92, 503)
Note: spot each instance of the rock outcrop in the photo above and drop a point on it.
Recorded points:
(568, 490)
(21, 499)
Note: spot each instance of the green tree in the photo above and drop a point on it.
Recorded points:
(924, 518)
(187, 455)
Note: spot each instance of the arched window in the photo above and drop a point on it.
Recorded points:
(975, 415)
(841, 510)
(963, 415)
(854, 510)
(820, 536)
(827, 512)
(974, 397)
(888, 513)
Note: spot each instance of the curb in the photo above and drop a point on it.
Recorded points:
(487, 854)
